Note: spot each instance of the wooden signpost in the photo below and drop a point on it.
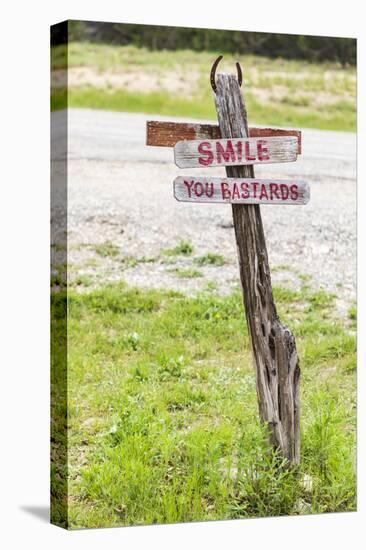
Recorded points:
(233, 145)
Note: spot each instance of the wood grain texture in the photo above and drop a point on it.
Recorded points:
(167, 134)
(233, 152)
(240, 190)
(273, 345)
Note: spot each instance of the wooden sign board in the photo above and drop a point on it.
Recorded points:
(233, 152)
(240, 190)
(167, 134)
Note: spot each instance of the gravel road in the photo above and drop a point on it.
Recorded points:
(120, 191)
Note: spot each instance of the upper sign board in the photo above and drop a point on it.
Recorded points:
(233, 152)
(167, 134)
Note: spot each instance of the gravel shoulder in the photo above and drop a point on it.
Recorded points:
(120, 192)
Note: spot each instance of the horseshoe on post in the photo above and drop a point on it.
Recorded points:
(213, 73)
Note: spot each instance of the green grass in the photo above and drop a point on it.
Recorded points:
(277, 92)
(334, 117)
(163, 420)
(140, 102)
(183, 248)
(106, 56)
(352, 315)
(132, 261)
(352, 312)
(107, 249)
(211, 258)
(82, 280)
(58, 279)
(188, 273)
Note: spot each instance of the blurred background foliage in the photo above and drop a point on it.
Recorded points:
(272, 45)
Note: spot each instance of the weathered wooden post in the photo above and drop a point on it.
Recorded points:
(233, 145)
(273, 345)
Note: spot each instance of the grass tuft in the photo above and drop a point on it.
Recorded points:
(183, 248)
(352, 313)
(210, 258)
(107, 249)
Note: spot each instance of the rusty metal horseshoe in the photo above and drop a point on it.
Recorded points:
(213, 73)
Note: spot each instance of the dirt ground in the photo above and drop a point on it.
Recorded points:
(123, 217)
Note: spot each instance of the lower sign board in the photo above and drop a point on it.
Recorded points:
(238, 151)
(239, 190)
